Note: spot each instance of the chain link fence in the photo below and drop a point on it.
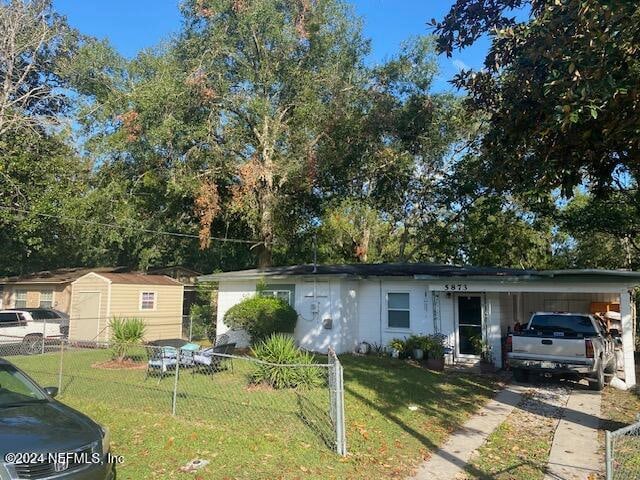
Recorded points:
(623, 453)
(212, 385)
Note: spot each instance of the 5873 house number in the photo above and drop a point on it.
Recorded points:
(458, 287)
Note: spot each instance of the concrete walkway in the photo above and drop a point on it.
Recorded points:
(450, 459)
(574, 453)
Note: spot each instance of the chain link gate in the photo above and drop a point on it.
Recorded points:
(623, 453)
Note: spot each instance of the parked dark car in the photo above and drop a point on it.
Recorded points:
(60, 442)
(48, 315)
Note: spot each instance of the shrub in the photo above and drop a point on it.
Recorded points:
(125, 332)
(261, 317)
(400, 345)
(279, 350)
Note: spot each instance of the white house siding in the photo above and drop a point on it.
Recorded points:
(349, 322)
(229, 294)
(372, 310)
(446, 317)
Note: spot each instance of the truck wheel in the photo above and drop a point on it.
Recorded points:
(32, 344)
(521, 375)
(597, 383)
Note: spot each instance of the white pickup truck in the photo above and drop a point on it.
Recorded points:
(563, 343)
(19, 333)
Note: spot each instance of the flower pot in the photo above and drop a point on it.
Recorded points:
(435, 364)
(418, 354)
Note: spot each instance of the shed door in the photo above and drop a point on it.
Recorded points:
(86, 313)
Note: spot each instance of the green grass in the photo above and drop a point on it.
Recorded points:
(256, 433)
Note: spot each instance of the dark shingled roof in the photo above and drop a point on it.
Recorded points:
(408, 270)
(61, 275)
(376, 270)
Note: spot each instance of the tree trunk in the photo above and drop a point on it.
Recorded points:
(267, 201)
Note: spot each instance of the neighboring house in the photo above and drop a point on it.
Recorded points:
(96, 298)
(48, 289)
(187, 277)
(343, 305)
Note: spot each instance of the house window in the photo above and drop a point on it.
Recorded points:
(148, 301)
(398, 310)
(21, 299)
(284, 292)
(46, 299)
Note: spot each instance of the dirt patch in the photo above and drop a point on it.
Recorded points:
(259, 387)
(126, 364)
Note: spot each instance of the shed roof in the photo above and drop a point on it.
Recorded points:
(417, 270)
(139, 279)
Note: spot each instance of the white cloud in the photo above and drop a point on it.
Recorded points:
(460, 65)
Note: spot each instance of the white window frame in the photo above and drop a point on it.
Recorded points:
(16, 299)
(155, 301)
(398, 329)
(274, 293)
(47, 290)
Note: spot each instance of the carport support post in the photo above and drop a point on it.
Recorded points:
(627, 338)
(175, 385)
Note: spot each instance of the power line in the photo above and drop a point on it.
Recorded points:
(121, 227)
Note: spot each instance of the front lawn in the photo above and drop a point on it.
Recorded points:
(397, 413)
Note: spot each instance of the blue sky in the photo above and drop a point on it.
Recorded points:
(133, 25)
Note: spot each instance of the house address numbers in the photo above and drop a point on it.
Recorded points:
(456, 287)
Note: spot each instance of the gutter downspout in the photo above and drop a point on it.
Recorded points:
(380, 309)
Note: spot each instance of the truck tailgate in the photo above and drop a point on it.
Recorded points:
(556, 347)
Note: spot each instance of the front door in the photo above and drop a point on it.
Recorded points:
(469, 326)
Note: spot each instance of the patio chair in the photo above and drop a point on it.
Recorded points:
(210, 358)
(160, 360)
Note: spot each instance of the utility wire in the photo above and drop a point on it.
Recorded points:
(113, 225)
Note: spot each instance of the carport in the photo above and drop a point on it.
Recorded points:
(506, 300)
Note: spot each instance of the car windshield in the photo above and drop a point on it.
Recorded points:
(16, 389)
(561, 325)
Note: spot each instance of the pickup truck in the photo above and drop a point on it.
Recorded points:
(562, 343)
(19, 333)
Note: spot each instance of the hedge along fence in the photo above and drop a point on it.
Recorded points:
(261, 317)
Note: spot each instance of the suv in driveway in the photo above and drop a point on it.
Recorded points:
(48, 315)
(18, 328)
(40, 438)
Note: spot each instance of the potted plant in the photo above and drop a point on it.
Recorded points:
(396, 347)
(415, 345)
(435, 354)
(486, 357)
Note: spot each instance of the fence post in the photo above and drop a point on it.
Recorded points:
(175, 384)
(340, 423)
(608, 455)
(44, 334)
(60, 367)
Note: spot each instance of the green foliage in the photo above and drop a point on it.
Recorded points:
(125, 333)
(398, 344)
(202, 314)
(261, 316)
(558, 91)
(280, 353)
